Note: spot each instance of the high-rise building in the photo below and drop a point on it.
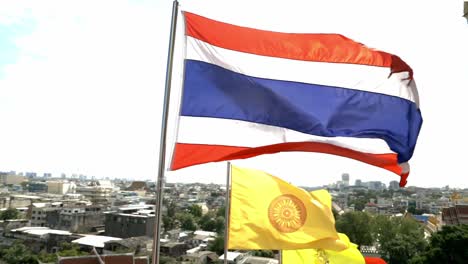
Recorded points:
(358, 182)
(345, 179)
(60, 187)
(9, 179)
(31, 174)
(393, 185)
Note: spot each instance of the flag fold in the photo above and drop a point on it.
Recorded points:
(268, 213)
(248, 92)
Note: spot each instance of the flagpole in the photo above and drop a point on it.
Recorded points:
(162, 145)
(227, 210)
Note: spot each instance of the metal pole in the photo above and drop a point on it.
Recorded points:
(280, 256)
(162, 145)
(227, 211)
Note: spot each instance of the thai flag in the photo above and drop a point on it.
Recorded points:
(249, 92)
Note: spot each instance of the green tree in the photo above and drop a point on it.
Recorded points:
(207, 222)
(187, 221)
(412, 209)
(221, 211)
(217, 245)
(219, 224)
(47, 258)
(399, 239)
(70, 250)
(356, 225)
(196, 210)
(446, 246)
(171, 209)
(18, 254)
(10, 213)
(168, 223)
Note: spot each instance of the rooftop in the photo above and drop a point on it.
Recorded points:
(40, 231)
(94, 241)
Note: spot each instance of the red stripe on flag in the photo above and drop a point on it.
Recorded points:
(307, 47)
(186, 155)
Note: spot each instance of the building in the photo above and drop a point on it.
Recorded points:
(78, 218)
(127, 224)
(345, 179)
(88, 242)
(38, 212)
(38, 238)
(375, 185)
(138, 245)
(455, 215)
(37, 187)
(358, 182)
(201, 257)
(60, 187)
(174, 249)
(97, 191)
(18, 201)
(394, 185)
(31, 174)
(11, 179)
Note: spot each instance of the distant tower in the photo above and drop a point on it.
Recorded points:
(345, 179)
(394, 185)
(358, 182)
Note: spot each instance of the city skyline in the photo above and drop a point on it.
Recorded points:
(352, 181)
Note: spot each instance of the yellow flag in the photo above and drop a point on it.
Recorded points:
(268, 213)
(320, 256)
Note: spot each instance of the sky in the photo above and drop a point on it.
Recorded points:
(82, 84)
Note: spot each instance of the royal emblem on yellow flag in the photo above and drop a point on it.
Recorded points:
(351, 255)
(268, 213)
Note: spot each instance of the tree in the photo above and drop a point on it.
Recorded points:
(217, 245)
(356, 225)
(10, 213)
(221, 211)
(196, 210)
(70, 250)
(399, 239)
(446, 246)
(168, 223)
(187, 221)
(171, 208)
(207, 222)
(18, 254)
(47, 258)
(219, 224)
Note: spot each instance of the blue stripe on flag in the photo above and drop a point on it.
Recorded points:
(212, 91)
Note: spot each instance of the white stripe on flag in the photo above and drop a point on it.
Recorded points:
(229, 132)
(351, 76)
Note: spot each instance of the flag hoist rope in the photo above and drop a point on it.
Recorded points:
(162, 145)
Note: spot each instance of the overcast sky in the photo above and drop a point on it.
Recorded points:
(81, 84)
